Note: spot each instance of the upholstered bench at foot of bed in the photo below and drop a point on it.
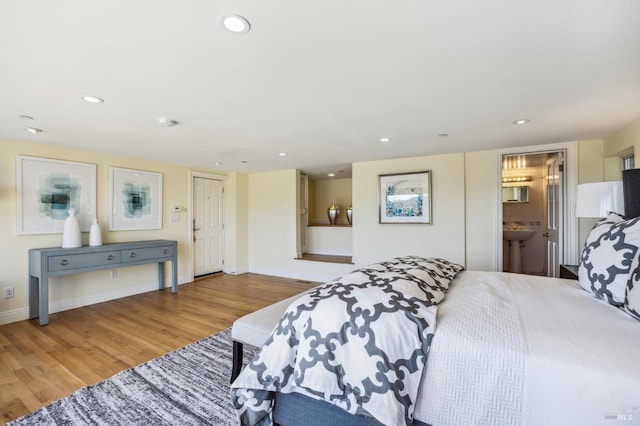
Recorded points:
(254, 328)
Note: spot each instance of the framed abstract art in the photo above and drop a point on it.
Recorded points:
(405, 198)
(135, 199)
(47, 189)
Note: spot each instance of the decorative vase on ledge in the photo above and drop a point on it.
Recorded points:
(350, 215)
(333, 212)
(71, 236)
(95, 234)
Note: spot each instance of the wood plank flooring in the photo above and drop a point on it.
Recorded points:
(39, 365)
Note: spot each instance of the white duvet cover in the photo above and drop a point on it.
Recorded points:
(514, 349)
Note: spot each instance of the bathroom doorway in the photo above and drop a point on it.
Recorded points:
(537, 231)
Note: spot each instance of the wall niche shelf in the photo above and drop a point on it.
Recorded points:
(329, 258)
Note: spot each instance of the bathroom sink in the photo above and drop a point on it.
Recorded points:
(517, 234)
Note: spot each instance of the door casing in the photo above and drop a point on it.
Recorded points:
(569, 249)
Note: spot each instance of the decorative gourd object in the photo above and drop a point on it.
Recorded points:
(350, 215)
(71, 236)
(95, 234)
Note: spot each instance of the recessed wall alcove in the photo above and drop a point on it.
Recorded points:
(320, 240)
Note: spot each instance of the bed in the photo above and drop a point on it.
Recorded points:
(512, 349)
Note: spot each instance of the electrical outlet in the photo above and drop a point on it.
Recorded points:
(114, 274)
(8, 292)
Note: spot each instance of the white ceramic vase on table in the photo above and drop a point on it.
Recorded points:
(71, 236)
(95, 234)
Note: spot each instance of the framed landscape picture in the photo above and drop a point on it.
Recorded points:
(405, 198)
(47, 189)
(135, 199)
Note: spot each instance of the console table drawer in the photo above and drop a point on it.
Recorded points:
(134, 255)
(87, 260)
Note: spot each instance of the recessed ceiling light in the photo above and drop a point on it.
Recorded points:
(32, 130)
(26, 117)
(282, 154)
(92, 99)
(217, 163)
(331, 174)
(385, 140)
(521, 121)
(236, 24)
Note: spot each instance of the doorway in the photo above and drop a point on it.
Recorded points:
(207, 224)
(540, 182)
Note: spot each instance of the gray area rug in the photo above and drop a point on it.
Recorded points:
(189, 386)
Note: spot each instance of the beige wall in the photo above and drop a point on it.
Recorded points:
(326, 190)
(624, 140)
(82, 289)
(272, 222)
(236, 235)
(481, 191)
(445, 238)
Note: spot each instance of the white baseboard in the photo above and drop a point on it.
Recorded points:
(64, 305)
(14, 315)
(235, 271)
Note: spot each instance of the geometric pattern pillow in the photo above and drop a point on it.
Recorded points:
(632, 293)
(605, 266)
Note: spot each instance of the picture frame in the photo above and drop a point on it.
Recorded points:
(135, 199)
(48, 188)
(405, 198)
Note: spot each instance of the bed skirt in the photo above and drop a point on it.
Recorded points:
(294, 409)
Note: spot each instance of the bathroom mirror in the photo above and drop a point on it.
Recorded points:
(515, 194)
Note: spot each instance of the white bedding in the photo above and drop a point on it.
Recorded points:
(515, 349)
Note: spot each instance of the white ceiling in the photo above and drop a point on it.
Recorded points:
(323, 81)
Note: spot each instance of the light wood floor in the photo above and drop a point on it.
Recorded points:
(39, 365)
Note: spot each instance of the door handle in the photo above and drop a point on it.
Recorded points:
(546, 234)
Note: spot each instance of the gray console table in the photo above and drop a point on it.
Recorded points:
(55, 262)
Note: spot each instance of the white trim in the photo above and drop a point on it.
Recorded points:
(570, 237)
(204, 175)
(229, 270)
(14, 315)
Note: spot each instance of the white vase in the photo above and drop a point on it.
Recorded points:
(95, 234)
(71, 236)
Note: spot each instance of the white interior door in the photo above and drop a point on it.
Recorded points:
(555, 214)
(207, 226)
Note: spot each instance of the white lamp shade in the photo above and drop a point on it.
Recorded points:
(599, 199)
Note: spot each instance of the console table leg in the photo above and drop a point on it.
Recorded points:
(44, 300)
(160, 275)
(174, 275)
(33, 296)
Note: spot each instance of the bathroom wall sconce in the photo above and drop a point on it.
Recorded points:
(514, 162)
(515, 179)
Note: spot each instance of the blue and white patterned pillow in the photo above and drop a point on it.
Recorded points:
(632, 293)
(605, 266)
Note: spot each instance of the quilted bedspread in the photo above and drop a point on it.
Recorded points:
(359, 342)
